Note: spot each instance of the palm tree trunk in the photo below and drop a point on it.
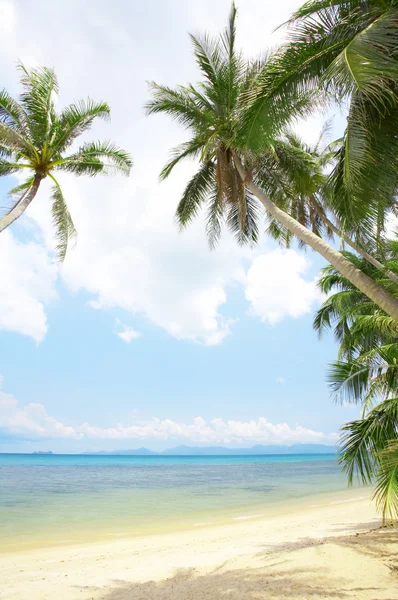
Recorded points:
(20, 208)
(365, 284)
(371, 259)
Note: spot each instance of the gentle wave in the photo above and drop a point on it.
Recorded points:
(45, 499)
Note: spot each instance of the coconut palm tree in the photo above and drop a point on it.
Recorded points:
(366, 372)
(35, 139)
(294, 176)
(229, 177)
(344, 51)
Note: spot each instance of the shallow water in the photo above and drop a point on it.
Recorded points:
(58, 499)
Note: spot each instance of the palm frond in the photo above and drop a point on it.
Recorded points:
(16, 195)
(364, 439)
(386, 492)
(189, 149)
(13, 141)
(209, 57)
(12, 114)
(21, 187)
(214, 218)
(75, 119)
(246, 232)
(62, 221)
(37, 99)
(181, 104)
(368, 61)
(195, 194)
(96, 157)
(7, 168)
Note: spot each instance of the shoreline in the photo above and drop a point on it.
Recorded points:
(109, 532)
(312, 552)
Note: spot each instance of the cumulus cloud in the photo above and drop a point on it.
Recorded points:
(276, 287)
(8, 18)
(33, 422)
(27, 276)
(129, 254)
(134, 258)
(126, 333)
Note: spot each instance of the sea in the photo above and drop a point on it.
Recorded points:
(48, 500)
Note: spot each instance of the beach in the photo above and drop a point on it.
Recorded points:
(331, 549)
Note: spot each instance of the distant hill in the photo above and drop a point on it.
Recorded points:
(272, 449)
(136, 452)
(222, 451)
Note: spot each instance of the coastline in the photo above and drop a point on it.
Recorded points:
(97, 531)
(334, 549)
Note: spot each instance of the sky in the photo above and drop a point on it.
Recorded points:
(143, 336)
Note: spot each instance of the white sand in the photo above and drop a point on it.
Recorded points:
(332, 551)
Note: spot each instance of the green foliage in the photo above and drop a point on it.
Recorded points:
(386, 492)
(62, 221)
(345, 52)
(292, 173)
(34, 136)
(214, 112)
(366, 373)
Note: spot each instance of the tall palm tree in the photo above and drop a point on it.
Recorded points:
(228, 178)
(344, 51)
(301, 188)
(36, 139)
(367, 373)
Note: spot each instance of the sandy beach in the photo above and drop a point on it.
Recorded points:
(334, 550)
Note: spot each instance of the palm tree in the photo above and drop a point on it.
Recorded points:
(34, 138)
(344, 51)
(366, 372)
(294, 177)
(229, 177)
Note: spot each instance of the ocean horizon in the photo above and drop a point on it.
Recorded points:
(183, 450)
(55, 499)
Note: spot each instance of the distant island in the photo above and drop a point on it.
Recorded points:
(42, 452)
(222, 451)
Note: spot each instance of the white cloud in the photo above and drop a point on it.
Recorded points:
(8, 18)
(281, 380)
(27, 278)
(33, 422)
(276, 288)
(30, 420)
(134, 259)
(129, 254)
(126, 333)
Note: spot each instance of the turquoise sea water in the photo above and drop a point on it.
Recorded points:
(59, 499)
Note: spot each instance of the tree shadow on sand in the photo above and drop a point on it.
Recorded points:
(276, 579)
(375, 543)
(245, 584)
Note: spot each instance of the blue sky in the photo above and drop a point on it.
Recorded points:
(143, 337)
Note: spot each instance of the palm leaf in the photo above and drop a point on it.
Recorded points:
(386, 492)
(39, 87)
(12, 114)
(75, 119)
(246, 232)
(363, 440)
(189, 149)
(214, 218)
(195, 194)
(95, 157)
(62, 221)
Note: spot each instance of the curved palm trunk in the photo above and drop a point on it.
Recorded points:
(365, 284)
(20, 208)
(371, 259)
